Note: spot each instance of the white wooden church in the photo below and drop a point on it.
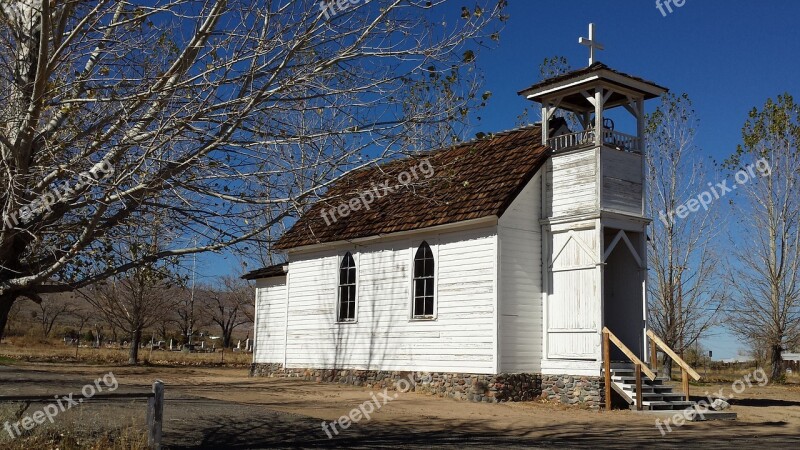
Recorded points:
(511, 258)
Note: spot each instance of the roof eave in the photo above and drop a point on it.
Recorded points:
(257, 274)
(650, 90)
(472, 223)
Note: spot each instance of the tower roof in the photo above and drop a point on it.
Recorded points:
(598, 72)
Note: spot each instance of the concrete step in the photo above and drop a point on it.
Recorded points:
(662, 388)
(666, 396)
(650, 405)
(649, 396)
(622, 366)
(632, 388)
(651, 386)
(672, 396)
(692, 416)
(665, 405)
(683, 404)
(632, 380)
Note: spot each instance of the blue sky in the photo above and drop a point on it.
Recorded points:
(729, 56)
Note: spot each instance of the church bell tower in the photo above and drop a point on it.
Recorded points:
(594, 213)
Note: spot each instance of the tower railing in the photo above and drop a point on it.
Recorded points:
(587, 138)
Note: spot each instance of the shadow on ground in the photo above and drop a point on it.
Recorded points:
(242, 426)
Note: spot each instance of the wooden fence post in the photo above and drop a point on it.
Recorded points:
(607, 363)
(155, 415)
(639, 395)
(653, 356)
(685, 379)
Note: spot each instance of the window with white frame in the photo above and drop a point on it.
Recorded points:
(347, 289)
(424, 280)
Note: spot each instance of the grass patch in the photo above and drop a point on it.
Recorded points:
(71, 439)
(61, 354)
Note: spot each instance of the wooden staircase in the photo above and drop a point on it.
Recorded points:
(651, 393)
(656, 395)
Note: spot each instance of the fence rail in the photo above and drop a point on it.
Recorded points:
(155, 406)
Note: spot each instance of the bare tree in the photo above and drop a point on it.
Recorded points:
(551, 67)
(230, 305)
(189, 313)
(12, 318)
(50, 310)
(142, 296)
(685, 292)
(206, 114)
(82, 316)
(132, 302)
(765, 274)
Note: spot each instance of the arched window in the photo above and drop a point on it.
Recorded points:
(424, 282)
(347, 289)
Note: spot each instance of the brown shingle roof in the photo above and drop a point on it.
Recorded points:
(471, 181)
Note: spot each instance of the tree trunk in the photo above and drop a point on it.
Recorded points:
(666, 367)
(776, 361)
(136, 338)
(226, 338)
(6, 302)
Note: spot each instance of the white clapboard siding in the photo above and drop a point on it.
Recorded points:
(461, 339)
(622, 181)
(572, 181)
(520, 241)
(270, 320)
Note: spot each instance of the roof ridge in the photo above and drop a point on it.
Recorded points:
(372, 165)
(492, 135)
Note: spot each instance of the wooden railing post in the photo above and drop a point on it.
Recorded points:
(639, 399)
(653, 356)
(155, 415)
(685, 381)
(607, 365)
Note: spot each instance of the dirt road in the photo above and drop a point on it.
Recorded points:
(224, 408)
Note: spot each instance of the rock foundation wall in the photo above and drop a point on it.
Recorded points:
(519, 387)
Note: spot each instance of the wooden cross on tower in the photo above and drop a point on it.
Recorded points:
(591, 43)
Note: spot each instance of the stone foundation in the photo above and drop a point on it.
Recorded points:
(574, 390)
(518, 387)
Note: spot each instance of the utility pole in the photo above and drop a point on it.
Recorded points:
(191, 295)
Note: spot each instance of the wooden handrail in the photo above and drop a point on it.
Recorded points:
(631, 356)
(686, 370)
(665, 348)
(639, 367)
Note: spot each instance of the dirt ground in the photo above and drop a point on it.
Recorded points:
(224, 408)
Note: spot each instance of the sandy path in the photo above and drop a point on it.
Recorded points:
(217, 407)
